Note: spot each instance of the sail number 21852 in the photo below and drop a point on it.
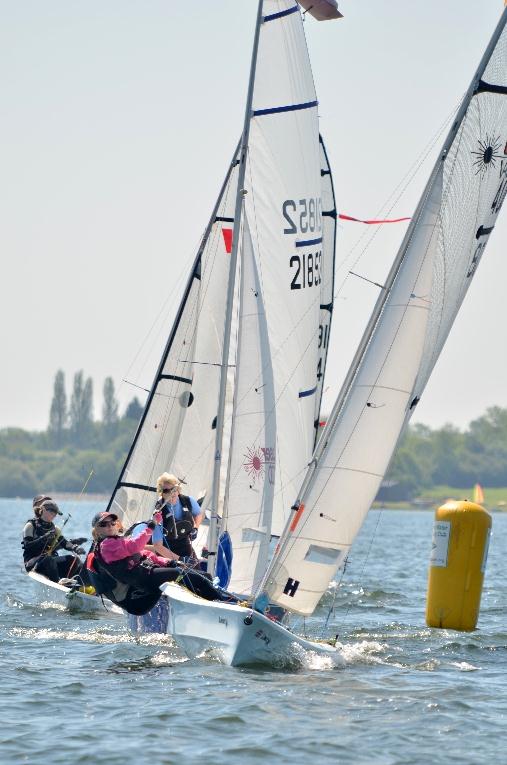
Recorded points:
(304, 217)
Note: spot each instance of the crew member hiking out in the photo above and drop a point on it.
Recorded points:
(134, 573)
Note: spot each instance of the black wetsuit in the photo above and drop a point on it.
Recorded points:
(40, 550)
(134, 581)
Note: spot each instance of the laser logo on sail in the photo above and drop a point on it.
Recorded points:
(487, 155)
(259, 463)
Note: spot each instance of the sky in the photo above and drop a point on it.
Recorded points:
(118, 121)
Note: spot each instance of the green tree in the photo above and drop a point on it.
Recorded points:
(16, 479)
(58, 411)
(109, 409)
(134, 410)
(81, 410)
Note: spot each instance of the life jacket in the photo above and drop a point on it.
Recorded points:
(126, 569)
(122, 580)
(177, 530)
(31, 550)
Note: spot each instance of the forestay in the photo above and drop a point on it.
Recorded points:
(176, 431)
(410, 323)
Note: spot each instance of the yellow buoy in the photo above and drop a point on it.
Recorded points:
(459, 552)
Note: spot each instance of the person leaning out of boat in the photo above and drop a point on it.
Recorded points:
(181, 516)
(42, 540)
(135, 574)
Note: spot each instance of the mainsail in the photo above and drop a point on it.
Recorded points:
(280, 242)
(406, 333)
(177, 428)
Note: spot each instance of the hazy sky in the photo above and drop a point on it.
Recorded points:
(118, 121)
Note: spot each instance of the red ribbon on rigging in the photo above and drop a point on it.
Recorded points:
(342, 216)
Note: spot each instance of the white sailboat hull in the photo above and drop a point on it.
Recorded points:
(238, 635)
(73, 600)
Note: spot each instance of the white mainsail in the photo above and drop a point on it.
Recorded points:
(281, 261)
(410, 323)
(283, 206)
(176, 432)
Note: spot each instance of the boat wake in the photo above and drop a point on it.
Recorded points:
(100, 636)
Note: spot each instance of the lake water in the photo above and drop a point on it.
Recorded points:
(82, 690)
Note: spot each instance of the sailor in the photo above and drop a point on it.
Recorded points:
(181, 514)
(135, 574)
(42, 540)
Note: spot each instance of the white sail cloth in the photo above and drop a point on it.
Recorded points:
(433, 271)
(176, 432)
(283, 207)
(360, 445)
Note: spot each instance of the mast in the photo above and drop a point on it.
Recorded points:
(213, 530)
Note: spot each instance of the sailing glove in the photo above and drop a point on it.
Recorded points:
(78, 540)
(78, 550)
(193, 534)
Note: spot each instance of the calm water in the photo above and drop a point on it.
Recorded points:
(82, 690)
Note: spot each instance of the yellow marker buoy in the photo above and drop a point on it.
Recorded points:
(459, 552)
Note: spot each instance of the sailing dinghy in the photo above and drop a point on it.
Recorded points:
(76, 600)
(266, 384)
(234, 409)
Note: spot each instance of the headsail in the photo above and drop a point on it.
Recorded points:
(251, 469)
(409, 325)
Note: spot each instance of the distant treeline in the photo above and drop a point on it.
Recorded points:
(61, 458)
(450, 457)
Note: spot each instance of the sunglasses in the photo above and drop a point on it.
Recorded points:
(170, 491)
(105, 524)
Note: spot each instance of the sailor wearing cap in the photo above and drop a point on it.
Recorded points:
(42, 540)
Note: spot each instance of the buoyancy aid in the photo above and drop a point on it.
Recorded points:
(177, 530)
(42, 541)
(122, 580)
(129, 569)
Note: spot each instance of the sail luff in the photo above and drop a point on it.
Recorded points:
(213, 529)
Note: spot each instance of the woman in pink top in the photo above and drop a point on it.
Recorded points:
(141, 572)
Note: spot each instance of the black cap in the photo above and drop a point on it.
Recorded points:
(98, 517)
(51, 506)
(39, 499)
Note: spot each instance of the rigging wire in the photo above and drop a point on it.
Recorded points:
(361, 575)
(394, 198)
